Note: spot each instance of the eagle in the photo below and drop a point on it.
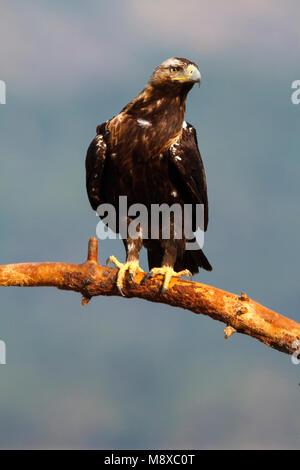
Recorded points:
(149, 153)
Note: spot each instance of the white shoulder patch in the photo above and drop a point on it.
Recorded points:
(100, 144)
(143, 122)
(184, 125)
(173, 150)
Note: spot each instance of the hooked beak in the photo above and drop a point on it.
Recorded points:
(191, 74)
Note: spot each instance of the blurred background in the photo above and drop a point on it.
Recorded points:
(125, 373)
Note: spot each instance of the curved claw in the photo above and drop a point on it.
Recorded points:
(120, 291)
(131, 275)
(109, 261)
(146, 277)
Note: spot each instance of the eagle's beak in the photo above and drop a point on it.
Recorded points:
(191, 74)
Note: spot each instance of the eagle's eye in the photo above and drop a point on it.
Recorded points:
(175, 69)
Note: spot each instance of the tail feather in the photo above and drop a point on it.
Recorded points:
(193, 260)
(155, 257)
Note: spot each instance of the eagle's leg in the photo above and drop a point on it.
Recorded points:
(133, 247)
(167, 269)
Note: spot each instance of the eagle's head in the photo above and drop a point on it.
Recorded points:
(176, 72)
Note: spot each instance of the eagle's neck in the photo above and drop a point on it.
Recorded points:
(158, 101)
(151, 123)
(161, 112)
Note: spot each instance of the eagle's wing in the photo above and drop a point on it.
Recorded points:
(94, 165)
(187, 170)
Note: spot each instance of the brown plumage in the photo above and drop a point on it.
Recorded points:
(149, 154)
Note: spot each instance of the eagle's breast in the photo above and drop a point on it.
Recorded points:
(147, 131)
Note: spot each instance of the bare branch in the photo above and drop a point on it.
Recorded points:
(239, 313)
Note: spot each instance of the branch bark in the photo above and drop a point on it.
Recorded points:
(239, 313)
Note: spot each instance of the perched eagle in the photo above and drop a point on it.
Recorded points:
(150, 154)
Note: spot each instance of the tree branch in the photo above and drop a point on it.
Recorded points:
(239, 313)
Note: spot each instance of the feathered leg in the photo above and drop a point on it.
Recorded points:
(133, 248)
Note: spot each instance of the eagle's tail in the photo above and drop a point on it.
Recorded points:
(193, 260)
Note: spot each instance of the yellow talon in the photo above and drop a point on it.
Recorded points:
(131, 266)
(168, 273)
